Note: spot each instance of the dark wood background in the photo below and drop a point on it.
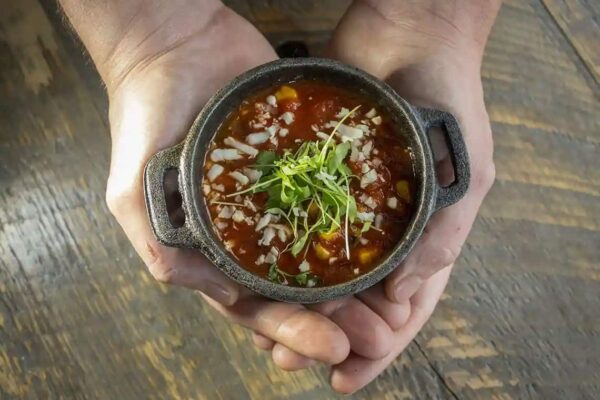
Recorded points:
(81, 318)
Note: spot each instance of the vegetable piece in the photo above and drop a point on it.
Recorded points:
(214, 172)
(286, 93)
(366, 255)
(368, 178)
(238, 176)
(392, 202)
(349, 133)
(225, 155)
(244, 148)
(226, 212)
(321, 252)
(403, 190)
(288, 117)
(271, 100)
(329, 236)
(257, 138)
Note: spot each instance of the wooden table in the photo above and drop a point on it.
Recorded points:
(81, 318)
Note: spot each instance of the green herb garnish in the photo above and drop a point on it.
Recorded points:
(279, 276)
(310, 188)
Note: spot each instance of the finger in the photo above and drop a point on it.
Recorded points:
(182, 267)
(356, 371)
(367, 332)
(289, 360)
(303, 331)
(394, 314)
(262, 342)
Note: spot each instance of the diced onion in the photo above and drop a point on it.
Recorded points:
(214, 172)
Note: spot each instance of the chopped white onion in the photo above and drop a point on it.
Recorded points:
(272, 100)
(268, 235)
(225, 155)
(243, 147)
(304, 266)
(365, 216)
(368, 178)
(214, 172)
(287, 117)
(226, 212)
(238, 216)
(257, 138)
(238, 176)
(252, 174)
(263, 222)
(349, 133)
(322, 135)
(392, 202)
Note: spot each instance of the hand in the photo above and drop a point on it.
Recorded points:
(434, 62)
(161, 68)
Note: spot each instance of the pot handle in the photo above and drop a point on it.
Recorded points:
(446, 196)
(155, 195)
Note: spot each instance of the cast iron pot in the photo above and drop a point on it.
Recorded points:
(188, 158)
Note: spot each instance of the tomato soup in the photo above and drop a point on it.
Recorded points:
(308, 184)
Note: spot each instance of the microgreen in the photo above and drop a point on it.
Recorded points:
(279, 276)
(310, 188)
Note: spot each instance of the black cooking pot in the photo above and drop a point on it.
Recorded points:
(188, 158)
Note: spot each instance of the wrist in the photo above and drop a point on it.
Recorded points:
(121, 35)
(393, 34)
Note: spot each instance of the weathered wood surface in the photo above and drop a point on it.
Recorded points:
(80, 317)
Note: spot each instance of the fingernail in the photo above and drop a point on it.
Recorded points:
(217, 293)
(407, 287)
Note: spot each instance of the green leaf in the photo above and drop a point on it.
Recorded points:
(302, 278)
(351, 209)
(366, 226)
(299, 245)
(273, 274)
(265, 160)
(337, 157)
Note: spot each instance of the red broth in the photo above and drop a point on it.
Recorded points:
(281, 119)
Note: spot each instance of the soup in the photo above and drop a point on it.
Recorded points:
(308, 184)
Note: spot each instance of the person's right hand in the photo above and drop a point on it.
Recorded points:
(158, 78)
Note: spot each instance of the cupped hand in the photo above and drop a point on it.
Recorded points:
(158, 78)
(432, 57)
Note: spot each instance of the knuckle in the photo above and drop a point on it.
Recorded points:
(162, 273)
(159, 270)
(438, 259)
(117, 198)
(484, 177)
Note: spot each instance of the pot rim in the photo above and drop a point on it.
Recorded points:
(191, 177)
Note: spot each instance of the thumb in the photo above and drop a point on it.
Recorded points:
(448, 229)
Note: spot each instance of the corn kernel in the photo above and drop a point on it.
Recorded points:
(321, 252)
(329, 236)
(403, 190)
(286, 93)
(366, 255)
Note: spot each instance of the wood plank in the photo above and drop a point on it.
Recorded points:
(580, 22)
(81, 318)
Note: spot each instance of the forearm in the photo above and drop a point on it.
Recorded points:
(119, 34)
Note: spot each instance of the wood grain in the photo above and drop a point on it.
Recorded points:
(80, 318)
(580, 22)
